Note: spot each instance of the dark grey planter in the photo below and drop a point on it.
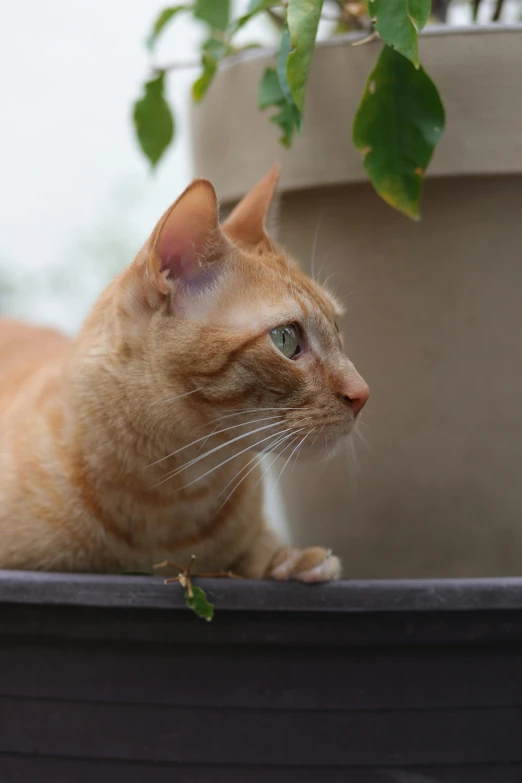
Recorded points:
(113, 680)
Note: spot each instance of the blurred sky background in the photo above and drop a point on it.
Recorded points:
(77, 196)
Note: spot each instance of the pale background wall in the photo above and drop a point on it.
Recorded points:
(434, 324)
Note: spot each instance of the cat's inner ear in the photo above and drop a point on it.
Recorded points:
(188, 237)
(247, 222)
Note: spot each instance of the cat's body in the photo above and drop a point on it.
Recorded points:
(97, 470)
(70, 501)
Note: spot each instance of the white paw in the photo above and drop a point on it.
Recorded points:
(305, 565)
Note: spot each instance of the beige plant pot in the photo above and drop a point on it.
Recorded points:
(434, 317)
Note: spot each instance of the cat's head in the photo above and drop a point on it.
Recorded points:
(228, 328)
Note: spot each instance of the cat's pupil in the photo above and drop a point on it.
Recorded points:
(286, 339)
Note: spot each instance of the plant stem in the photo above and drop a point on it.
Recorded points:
(498, 10)
(439, 9)
(372, 37)
(279, 20)
(178, 66)
(330, 18)
(186, 572)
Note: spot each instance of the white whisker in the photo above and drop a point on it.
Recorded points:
(301, 446)
(239, 413)
(290, 457)
(265, 471)
(195, 460)
(256, 456)
(354, 470)
(289, 273)
(355, 458)
(234, 456)
(358, 433)
(206, 437)
(186, 394)
(314, 246)
(259, 458)
(323, 263)
(257, 410)
(275, 259)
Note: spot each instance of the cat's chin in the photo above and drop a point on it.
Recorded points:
(323, 448)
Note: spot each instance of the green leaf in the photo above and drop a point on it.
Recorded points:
(399, 22)
(270, 92)
(285, 48)
(216, 49)
(288, 116)
(213, 52)
(161, 22)
(398, 124)
(153, 120)
(289, 120)
(303, 20)
(215, 13)
(201, 85)
(274, 90)
(199, 603)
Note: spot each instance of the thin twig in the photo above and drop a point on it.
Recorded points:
(189, 567)
(498, 10)
(330, 18)
(172, 579)
(367, 39)
(168, 564)
(219, 575)
(279, 20)
(185, 575)
(177, 66)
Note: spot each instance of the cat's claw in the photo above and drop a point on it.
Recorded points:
(314, 564)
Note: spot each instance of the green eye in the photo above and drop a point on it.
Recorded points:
(286, 339)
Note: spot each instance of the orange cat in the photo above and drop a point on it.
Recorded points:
(145, 438)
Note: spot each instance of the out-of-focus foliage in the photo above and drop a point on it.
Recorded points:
(400, 118)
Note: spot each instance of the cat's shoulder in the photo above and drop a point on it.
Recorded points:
(13, 329)
(18, 338)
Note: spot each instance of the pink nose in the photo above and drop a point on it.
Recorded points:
(358, 397)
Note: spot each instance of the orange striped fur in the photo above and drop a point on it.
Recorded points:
(112, 455)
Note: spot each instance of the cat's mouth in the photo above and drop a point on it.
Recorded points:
(327, 443)
(320, 441)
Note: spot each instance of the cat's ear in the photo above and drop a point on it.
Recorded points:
(187, 237)
(247, 222)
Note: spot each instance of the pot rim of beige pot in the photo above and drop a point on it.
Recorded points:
(234, 143)
(358, 36)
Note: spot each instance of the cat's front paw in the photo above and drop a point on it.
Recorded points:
(314, 564)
